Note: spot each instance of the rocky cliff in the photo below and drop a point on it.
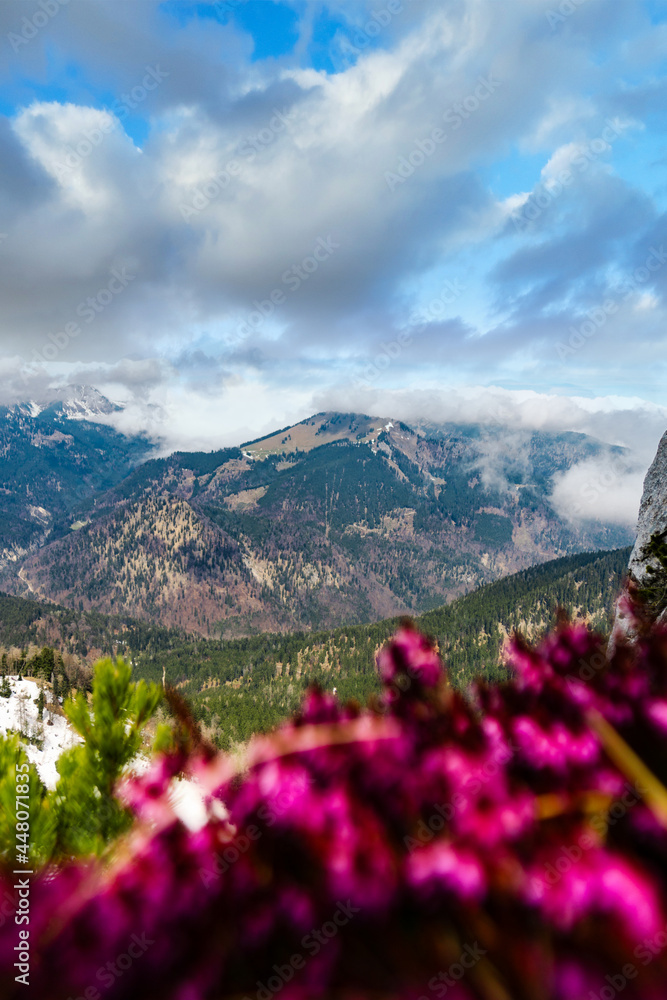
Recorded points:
(647, 569)
(652, 514)
(652, 523)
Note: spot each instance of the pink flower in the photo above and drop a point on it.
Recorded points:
(409, 657)
(443, 867)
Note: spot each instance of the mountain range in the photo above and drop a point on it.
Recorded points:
(340, 518)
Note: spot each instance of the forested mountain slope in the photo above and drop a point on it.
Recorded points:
(55, 456)
(343, 518)
(243, 685)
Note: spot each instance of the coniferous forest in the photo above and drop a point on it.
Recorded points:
(242, 686)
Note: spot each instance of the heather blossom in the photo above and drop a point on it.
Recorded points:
(373, 852)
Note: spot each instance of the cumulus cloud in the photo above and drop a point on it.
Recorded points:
(210, 179)
(617, 420)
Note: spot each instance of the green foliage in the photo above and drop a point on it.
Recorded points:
(88, 815)
(398, 525)
(237, 688)
(41, 826)
(43, 664)
(341, 483)
(493, 529)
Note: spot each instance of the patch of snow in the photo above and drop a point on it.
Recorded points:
(74, 402)
(187, 797)
(83, 402)
(28, 409)
(56, 738)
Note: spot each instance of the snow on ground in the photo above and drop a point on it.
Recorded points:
(186, 796)
(56, 738)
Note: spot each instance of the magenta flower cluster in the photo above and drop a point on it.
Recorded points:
(506, 845)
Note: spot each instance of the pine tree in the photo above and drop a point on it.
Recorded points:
(88, 814)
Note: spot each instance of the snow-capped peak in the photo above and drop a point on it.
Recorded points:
(74, 402)
(82, 402)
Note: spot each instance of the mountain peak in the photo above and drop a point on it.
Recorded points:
(75, 402)
(321, 428)
(81, 402)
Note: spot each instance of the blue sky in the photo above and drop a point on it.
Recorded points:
(229, 215)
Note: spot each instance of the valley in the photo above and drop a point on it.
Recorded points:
(241, 686)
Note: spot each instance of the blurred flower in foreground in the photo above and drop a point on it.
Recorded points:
(512, 845)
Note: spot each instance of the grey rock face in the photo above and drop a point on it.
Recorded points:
(652, 513)
(652, 521)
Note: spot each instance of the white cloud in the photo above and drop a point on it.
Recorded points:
(79, 147)
(181, 419)
(324, 173)
(602, 489)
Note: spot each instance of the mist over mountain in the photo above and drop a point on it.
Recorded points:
(342, 517)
